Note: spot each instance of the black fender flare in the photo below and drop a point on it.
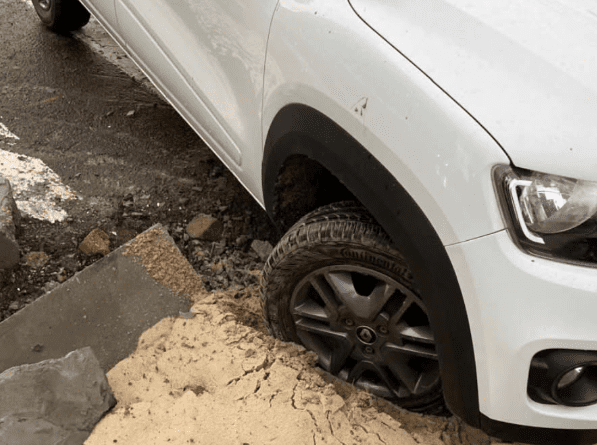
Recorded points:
(396, 211)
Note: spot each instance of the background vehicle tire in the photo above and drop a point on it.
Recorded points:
(335, 284)
(62, 15)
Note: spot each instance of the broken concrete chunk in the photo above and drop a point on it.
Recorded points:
(10, 219)
(262, 248)
(55, 401)
(97, 241)
(105, 306)
(205, 227)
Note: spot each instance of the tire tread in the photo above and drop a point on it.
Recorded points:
(335, 225)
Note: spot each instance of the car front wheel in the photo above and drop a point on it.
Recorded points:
(336, 285)
(62, 15)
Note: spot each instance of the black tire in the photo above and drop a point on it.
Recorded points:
(335, 284)
(62, 16)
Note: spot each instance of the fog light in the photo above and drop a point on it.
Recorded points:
(570, 377)
(563, 377)
(578, 387)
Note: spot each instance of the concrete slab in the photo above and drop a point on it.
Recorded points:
(105, 306)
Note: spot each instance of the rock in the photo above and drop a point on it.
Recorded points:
(36, 259)
(10, 219)
(49, 286)
(97, 241)
(56, 401)
(205, 227)
(241, 240)
(217, 249)
(262, 248)
(61, 275)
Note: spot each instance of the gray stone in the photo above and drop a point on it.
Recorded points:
(205, 227)
(262, 248)
(10, 218)
(55, 401)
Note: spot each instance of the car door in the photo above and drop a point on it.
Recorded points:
(208, 57)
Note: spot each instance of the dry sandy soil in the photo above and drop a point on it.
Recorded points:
(217, 377)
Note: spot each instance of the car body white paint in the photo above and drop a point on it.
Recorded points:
(439, 102)
(519, 305)
(524, 70)
(438, 153)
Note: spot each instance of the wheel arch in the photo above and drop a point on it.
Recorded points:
(301, 132)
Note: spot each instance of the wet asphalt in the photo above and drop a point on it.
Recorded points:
(94, 125)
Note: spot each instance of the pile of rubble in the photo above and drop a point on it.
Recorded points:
(223, 246)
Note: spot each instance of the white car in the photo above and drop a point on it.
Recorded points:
(434, 166)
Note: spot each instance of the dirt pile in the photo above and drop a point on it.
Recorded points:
(215, 379)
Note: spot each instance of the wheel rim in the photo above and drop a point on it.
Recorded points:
(367, 329)
(45, 4)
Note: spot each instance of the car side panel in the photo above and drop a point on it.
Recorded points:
(207, 58)
(144, 27)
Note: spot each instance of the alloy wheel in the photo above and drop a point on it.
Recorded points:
(367, 329)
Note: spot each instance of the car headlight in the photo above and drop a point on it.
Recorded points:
(551, 215)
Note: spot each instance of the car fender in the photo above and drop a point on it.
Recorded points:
(437, 152)
(418, 161)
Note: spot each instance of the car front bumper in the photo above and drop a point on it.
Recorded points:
(518, 305)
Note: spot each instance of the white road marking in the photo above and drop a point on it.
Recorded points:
(36, 188)
(6, 133)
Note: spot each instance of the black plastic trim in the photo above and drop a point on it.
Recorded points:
(535, 435)
(550, 365)
(391, 205)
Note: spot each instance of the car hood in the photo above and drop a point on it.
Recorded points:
(525, 70)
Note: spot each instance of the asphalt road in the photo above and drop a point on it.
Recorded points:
(67, 105)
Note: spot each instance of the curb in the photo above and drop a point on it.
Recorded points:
(10, 219)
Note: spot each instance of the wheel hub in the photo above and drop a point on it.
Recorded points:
(45, 4)
(366, 335)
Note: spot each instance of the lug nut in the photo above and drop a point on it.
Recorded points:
(368, 350)
(348, 322)
(383, 330)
